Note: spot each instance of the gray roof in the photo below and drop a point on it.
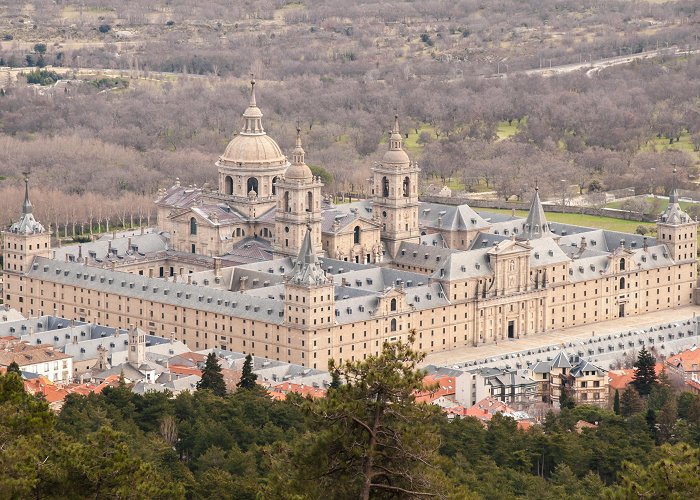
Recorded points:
(535, 226)
(307, 268)
(454, 218)
(423, 256)
(674, 214)
(465, 265)
(586, 366)
(123, 246)
(561, 360)
(27, 224)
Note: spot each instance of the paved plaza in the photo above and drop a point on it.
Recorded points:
(579, 339)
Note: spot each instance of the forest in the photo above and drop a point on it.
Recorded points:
(367, 439)
(456, 73)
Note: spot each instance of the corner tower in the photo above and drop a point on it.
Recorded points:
(309, 295)
(25, 239)
(395, 193)
(677, 230)
(298, 206)
(250, 165)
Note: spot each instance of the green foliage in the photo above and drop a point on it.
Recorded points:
(212, 378)
(40, 48)
(630, 402)
(616, 402)
(676, 475)
(369, 438)
(248, 378)
(104, 28)
(42, 77)
(110, 83)
(645, 372)
(325, 175)
(14, 368)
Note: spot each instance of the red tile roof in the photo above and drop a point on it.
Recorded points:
(445, 387)
(688, 361)
(301, 389)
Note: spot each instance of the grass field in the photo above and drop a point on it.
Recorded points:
(609, 223)
(504, 131)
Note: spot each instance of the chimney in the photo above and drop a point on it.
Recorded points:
(645, 245)
(85, 261)
(128, 244)
(189, 279)
(217, 267)
(109, 248)
(114, 235)
(80, 252)
(54, 254)
(66, 257)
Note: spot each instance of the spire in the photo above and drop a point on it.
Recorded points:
(252, 115)
(307, 268)
(673, 197)
(298, 153)
(27, 205)
(674, 214)
(395, 141)
(536, 225)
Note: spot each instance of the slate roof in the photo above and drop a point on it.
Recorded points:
(455, 218)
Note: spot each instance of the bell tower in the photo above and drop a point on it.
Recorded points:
(298, 206)
(395, 194)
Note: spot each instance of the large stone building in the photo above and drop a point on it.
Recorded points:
(263, 265)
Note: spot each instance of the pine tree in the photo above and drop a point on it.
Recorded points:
(335, 379)
(616, 402)
(645, 373)
(248, 378)
(630, 402)
(370, 438)
(14, 368)
(212, 378)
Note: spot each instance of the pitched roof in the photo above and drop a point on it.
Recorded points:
(688, 361)
(535, 226)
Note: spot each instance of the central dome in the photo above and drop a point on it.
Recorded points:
(253, 145)
(253, 149)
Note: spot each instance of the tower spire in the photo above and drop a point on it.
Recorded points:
(298, 153)
(252, 115)
(536, 225)
(252, 90)
(307, 268)
(27, 205)
(395, 141)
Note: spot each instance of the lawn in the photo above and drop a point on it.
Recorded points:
(599, 222)
(504, 131)
(662, 144)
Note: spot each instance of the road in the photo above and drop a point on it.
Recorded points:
(596, 66)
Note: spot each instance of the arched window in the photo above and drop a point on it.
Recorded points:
(274, 188)
(193, 226)
(356, 235)
(385, 187)
(393, 325)
(238, 231)
(286, 202)
(309, 201)
(406, 187)
(622, 264)
(228, 184)
(252, 185)
(393, 305)
(622, 283)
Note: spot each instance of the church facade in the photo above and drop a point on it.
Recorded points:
(264, 265)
